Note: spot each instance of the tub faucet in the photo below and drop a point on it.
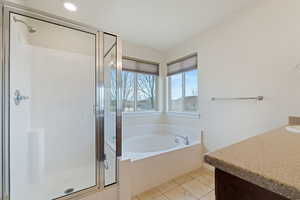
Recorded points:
(185, 138)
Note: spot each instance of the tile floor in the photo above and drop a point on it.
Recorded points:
(195, 185)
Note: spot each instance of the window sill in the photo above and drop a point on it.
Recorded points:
(193, 115)
(142, 113)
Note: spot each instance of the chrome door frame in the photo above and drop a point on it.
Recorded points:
(6, 9)
(1, 106)
(119, 109)
(119, 105)
(119, 97)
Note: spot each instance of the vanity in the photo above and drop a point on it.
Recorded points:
(264, 167)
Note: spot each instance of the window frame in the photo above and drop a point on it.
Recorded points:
(135, 87)
(183, 88)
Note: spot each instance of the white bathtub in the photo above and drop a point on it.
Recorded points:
(141, 147)
(151, 156)
(150, 143)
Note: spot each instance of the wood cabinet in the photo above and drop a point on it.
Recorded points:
(229, 187)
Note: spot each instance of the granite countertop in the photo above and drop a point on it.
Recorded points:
(270, 160)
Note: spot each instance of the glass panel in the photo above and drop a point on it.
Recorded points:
(128, 91)
(110, 110)
(175, 102)
(191, 91)
(52, 121)
(146, 92)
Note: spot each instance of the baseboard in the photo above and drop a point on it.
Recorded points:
(207, 166)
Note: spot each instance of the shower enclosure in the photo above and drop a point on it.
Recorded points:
(60, 113)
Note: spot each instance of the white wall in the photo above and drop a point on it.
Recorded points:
(253, 54)
(141, 52)
(62, 106)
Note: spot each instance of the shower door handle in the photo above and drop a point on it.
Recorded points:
(18, 97)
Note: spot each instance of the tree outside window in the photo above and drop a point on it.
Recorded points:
(139, 91)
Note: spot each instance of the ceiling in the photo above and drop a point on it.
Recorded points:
(159, 24)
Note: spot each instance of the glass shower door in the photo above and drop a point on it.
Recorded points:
(112, 109)
(53, 140)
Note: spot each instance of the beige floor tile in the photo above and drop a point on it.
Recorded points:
(167, 186)
(179, 193)
(207, 179)
(150, 194)
(210, 196)
(161, 198)
(191, 186)
(196, 173)
(134, 198)
(183, 179)
(211, 172)
(201, 172)
(197, 188)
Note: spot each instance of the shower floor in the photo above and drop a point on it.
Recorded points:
(55, 185)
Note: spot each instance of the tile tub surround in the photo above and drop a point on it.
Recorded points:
(270, 160)
(130, 131)
(155, 170)
(195, 185)
(143, 152)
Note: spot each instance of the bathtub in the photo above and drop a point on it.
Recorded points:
(145, 146)
(155, 154)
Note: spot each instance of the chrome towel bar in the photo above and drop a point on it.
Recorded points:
(259, 98)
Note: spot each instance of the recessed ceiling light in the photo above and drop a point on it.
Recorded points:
(70, 6)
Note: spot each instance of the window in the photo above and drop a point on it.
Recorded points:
(139, 89)
(175, 86)
(183, 85)
(128, 90)
(146, 92)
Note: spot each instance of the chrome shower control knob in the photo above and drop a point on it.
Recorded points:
(18, 97)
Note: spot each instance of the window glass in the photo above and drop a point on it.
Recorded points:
(190, 103)
(175, 102)
(113, 90)
(146, 92)
(128, 91)
(183, 92)
(139, 91)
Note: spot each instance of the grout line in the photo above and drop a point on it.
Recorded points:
(191, 193)
(166, 197)
(180, 185)
(207, 194)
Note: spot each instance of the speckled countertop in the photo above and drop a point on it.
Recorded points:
(270, 160)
